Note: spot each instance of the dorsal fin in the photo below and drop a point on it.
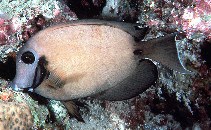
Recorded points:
(134, 29)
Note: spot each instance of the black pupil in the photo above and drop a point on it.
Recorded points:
(28, 57)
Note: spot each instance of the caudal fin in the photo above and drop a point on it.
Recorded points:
(164, 51)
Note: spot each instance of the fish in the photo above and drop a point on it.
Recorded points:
(106, 60)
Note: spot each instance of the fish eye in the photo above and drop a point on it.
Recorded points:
(28, 57)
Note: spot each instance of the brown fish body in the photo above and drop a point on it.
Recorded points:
(86, 58)
(89, 59)
(96, 58)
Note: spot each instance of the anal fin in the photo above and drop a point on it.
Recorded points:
(141, 79)
(73, 110)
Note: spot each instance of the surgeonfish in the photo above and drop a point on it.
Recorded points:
(92, 58)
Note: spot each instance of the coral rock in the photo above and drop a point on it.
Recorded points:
(15, 116)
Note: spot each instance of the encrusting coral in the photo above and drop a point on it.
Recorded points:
(14, 115)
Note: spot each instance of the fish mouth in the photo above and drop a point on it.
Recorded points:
(17, 88)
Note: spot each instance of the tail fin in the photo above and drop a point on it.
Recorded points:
(164, 51)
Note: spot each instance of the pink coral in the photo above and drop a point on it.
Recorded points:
(8, 27)
(197, 18)
(189, 16)
(4, 31)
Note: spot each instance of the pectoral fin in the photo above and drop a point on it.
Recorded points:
(54, 80)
